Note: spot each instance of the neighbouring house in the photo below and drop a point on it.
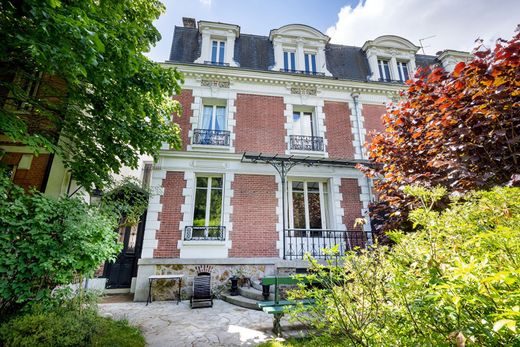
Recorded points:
(272, 127)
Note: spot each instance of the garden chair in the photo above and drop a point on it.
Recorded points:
(201, 291)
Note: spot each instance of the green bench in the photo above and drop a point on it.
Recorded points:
(278, 307)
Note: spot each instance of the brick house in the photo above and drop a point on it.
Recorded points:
(272, 129)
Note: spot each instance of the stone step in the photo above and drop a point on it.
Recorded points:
(253, 293)
(240, 301)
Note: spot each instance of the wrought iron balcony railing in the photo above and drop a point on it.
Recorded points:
(391, 81)
(303, 72)
(298, 242)
(211, 137)
(306, 143)
(209, 62)
(205, 233)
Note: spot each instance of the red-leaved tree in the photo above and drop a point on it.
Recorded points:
(460, 130)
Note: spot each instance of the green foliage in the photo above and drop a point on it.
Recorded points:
(108, 102)
(454, 281)
(46, 243)
(128, 199)
(68, 327)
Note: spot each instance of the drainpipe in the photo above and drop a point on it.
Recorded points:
(355, 97)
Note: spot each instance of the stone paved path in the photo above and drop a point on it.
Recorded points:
(164, 323)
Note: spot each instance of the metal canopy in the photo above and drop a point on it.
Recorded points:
(291, 160)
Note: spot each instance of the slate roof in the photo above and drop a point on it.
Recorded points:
(256, 52)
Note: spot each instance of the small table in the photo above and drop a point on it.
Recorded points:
(164, 277)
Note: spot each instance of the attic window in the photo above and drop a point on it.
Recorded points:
(217, 52)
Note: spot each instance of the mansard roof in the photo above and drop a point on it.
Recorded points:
(256, 53)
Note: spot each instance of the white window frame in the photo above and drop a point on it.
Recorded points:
(400, 70)
(213, 115)
(290, 67)
(381, 68)
(217, 55)
(208, 199)
(314, 125)
(324, 202)
(308, 54)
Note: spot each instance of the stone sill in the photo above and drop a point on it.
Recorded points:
(210, 261)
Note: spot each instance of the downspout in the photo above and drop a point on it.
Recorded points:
(355, 98)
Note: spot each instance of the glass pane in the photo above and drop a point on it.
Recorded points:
(121, 235)
(313, 63)
(216, 182)
(285, 61)
(298, 210)
(313, 187)
(307, 124)
(199, 213)
(314, 211)
(214, 52)
(132, 240)
(380, 66)
(297, 127)
(298, 186)
(221, 53)
(293, 64)
(306, 63)
(207, 117)
(387, 70)
(216, 207)
(220, 119)
(202, 182)
(405, 72)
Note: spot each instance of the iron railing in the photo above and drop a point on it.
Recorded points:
(205, 233)
(209, 62)
(388, 80)
(298, 242)
(303, 72)
(307, 143)
(211, 137)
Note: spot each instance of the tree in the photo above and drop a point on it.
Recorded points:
(459, 130)
(106, 100)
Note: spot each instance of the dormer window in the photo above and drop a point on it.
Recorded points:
(402, 69)
(299, 48)
(218, 43)
(384, 70)
(289, 61)
(391, 58)
(217, 52)
(310, 63)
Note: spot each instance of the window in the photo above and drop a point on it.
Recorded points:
(217, 52)
(310, 63)
(303, 124)
(208, 202)
(384, 70)
(214, 117)
(308, 207)
(289, 61)
(10, 171)
(402, 68)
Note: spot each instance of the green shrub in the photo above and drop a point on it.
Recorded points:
(66, 327)
(46, 243)
(456, 280)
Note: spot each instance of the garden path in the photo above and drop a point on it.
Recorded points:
(164, 323)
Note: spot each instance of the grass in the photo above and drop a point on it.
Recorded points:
(318, 341)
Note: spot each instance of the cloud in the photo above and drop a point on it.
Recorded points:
(455, 24)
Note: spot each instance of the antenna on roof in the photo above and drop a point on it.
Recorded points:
(425, 38)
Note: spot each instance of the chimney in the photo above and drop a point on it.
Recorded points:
(189, 22)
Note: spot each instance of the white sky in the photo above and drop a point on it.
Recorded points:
(456, 24)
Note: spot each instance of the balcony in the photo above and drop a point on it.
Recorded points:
(211, 137)
(303, 72)
(205, 233)
(209, 62)
(387, 80)
(306, 143)
(298, 242)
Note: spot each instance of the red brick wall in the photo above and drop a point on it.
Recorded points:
(339, 131)
(351, 204)
(372, 115)
(185, 99)
(170, 217)
(254, 217)
(28, 178)
(260, 124)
